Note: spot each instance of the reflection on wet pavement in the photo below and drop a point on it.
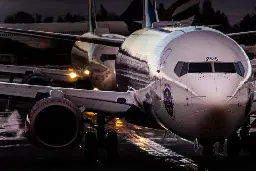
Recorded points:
(159, 144)
(12, 129)
(10, 126)
(150, 146)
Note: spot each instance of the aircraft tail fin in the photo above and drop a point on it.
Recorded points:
(149, 13)
(92, 15)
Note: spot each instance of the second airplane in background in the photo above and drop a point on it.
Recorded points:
(99, 60)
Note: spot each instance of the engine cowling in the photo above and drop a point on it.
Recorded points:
(54, 123)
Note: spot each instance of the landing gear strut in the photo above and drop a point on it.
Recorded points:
(244, 133)
(233, 145)
(208, 152)
(90, 146)
(252, 141)
(101, 139)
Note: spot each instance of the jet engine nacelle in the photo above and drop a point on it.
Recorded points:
(54, 122)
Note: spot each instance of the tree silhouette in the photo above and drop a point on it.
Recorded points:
(208, 16)
(77, 18)
(38, 18)
(102, 14)
(60, 19)
(160, 9)
(9, 19)
(68, 17)
(48, 20)
(113, 16)
(222, 19)
(248, 23)
(20, 17)
(208, 12)
(71, 18)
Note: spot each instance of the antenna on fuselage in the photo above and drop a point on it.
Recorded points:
(92, 15)
(149, 13)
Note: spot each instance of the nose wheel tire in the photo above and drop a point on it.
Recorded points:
(90, 145)
(233, 145)
(112, 145)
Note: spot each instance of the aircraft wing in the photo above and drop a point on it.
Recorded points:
(109, 102)
(239, 34)
(65, 37)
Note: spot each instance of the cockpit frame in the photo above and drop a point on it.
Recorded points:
(183, 68)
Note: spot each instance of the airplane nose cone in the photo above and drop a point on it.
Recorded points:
(220, 113)
(214, 122)
(215, 89)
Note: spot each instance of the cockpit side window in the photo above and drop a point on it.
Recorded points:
(181, 68)
(178, 68)
(240, 68)
(184, 69)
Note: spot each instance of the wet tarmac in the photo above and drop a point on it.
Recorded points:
(140, 149)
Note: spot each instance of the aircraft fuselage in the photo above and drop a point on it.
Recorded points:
(195, 81)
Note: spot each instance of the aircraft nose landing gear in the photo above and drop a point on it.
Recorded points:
(100, 139)
(205, 163)
(90, 146)
(112, 145)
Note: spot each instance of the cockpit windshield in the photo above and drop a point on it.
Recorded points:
(199, 67)
(225, 67)
(183, 68)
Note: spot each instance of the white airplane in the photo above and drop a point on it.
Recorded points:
(194, 81)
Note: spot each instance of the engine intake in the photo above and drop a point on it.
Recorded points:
(54, 123)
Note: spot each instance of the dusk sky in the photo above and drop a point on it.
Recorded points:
(235, 9)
